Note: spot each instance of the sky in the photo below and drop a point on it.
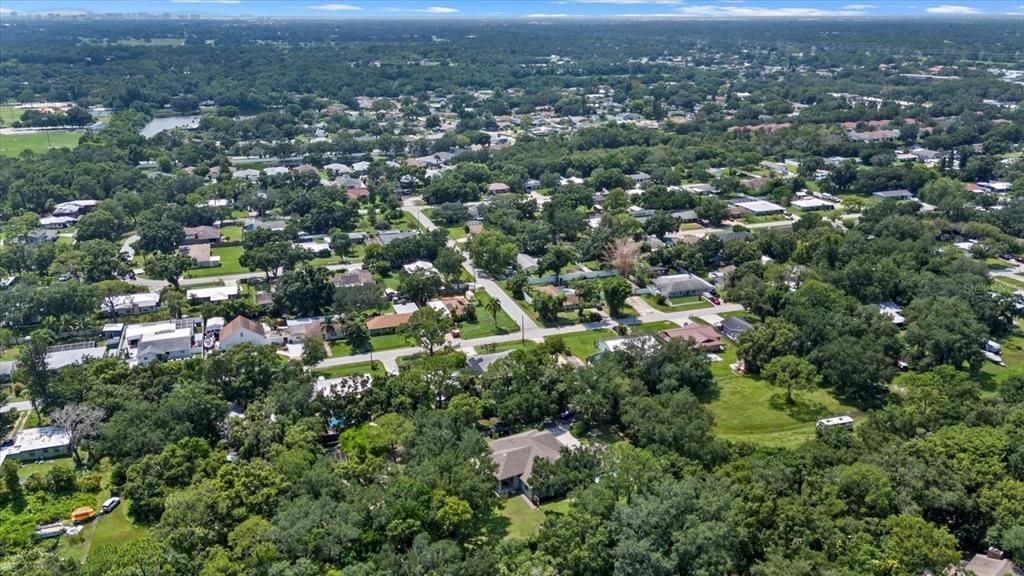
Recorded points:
(531, 9)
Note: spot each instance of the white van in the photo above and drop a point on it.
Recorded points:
(110, 504)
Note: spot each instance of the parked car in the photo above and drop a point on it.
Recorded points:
(110, 504)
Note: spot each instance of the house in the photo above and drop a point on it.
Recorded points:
(250, 175)
(701, 336)
(686, 216)
(200, 253)
(874, 135)
(514, 456)
(39, 236)
(172, 344)
(130, 304)
(275, 171)
(38, 444)
(55, 222)
(201, 235)
(357, 277)
(894, 195)
(357, 193)
(458, 307)
(760, 207)
(74, 207)
(386, 237)
(387, 323)
(616, 344)
(213, 294)
(893, 311)
(479, 363)
(419, 266)
(990, 564)
(353, 385)
(63, 355)
(357, 237)
(700, 189)
(531, 185)
(251, 224)
(812, 204)
(732, 327)
(570, 300)
(640, 179)
(337, 169)
(497, 188)
(7, 370)
(240, 331)
(676, 285)
(774, 167)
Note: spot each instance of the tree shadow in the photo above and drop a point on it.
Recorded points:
(802, 409)
(493, 527)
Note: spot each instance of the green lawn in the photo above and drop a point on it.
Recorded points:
(106, 530)
(231, 233)
(457, 232)
(744, 409)
(350, 369)
(678, 304)
(651, 327)
(485, 324)
(12, 145)
(43, 467)
(524, 521)
(9, 114)
(10, 353)
(340, 348)
(502, 346)
(229, 256)
(584, 344)
(1011, 280)
(389, 341)
(1013, 356)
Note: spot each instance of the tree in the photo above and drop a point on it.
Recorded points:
(357, 336)
(169, 267)
(419, 286)
(80, 421)
(622, 255)
(160, 236)
(33, 370)
(913, 546)
(943, 331)
(268, 251)
(772, 338)
(616, 290)
(313, 351)
(791, 373)
(713, 210)
(547, 307)
(358, 298)
(449, 263)
(493, 306)
(98, 225)
(306, 291)
(427, 328)
(493, 252)
(557, 257)
(660, 224)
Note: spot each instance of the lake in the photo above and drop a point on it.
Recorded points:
(158, 125)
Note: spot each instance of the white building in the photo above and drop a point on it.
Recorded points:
(37, 444)
(129, 304)
(168, 340)
(240, 331)
(213, 294)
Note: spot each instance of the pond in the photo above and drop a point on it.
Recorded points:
(158, 125)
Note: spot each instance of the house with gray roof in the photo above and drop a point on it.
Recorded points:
(677, 285)
(515, 456)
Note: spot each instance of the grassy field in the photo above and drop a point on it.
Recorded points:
(43, 467)
(992, 375)
(106, 530)
(484, 324)
(12, 145)
(231, 233)
(1013, 281)
(651, 327)
(389, 341)
(9, 114)
(502, 346)
(747, 409)
(584, 344)
(228, 263)
(524, 521)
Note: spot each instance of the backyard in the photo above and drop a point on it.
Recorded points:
(484, 324)
(229, 256)
(524, 520)
(584, 344)
(747, 409)
(677, 304)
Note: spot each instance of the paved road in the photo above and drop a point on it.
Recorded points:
(390, 356)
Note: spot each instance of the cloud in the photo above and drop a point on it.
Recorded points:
(5, 10)
(548, 15)
(859, 7)
(206, 1)
(428, 10)
(708, 11)
(951, 9)
(334, 7)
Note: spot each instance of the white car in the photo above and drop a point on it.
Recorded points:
(110, 504)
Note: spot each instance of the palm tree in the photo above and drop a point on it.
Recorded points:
(493, 306)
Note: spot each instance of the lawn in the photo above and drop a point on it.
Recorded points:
(651, 327)
(525, 520)
(231, 233)
(502, 346)
(229, 256)
(389, 341)
(10, 353)
(106, 530)
(9, 114)
(43, 467)
(678, 304)
(350, 369)
(1011, 280)
(744, 409)
(485, 324)
(584, 344)
(12, 145)
(1013, 356)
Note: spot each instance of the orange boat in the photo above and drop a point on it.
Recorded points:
(82, 514)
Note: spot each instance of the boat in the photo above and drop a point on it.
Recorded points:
(83, 514)
(50, 530)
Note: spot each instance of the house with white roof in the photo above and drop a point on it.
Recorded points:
(38, 444)
(213, 294)
(131, 304)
